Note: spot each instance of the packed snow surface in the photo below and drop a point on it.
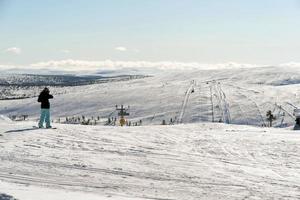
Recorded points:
(195, 161)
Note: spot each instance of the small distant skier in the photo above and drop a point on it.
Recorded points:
(45, 107)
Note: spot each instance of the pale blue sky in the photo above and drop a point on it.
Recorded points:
(204, 31)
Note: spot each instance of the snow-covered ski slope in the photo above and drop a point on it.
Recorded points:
(185, 161)
(235, 96)
(195, 161)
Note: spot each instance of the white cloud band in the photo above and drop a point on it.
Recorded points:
(115, 65)
(121, 48)
(13, 50)
(95, 66)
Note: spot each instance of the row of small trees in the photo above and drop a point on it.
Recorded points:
(81, 120)
(112, 121)
(171, 121)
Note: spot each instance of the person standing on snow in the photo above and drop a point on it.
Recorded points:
(45, 107)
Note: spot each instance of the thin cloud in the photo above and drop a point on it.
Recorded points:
(290, 64)
(89, 67)
(121, 49)
(136, 50)
(117, 65)
(13, 50)
(65, 51)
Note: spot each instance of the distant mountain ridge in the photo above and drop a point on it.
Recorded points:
(59, 80)
(20, 86)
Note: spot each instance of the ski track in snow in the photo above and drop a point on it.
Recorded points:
(198, 161)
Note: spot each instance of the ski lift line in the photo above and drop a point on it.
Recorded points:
(222, 97)
(255, 104)
(275, 107)
(243, 113)
(278, 115)
(204, 101)
(208, 103)
(279, 110)
(153, 117)
(199, 87)
(212, 104)
(223, 104)
(219, 102)
(226, 107)
(241, 88)
(213, 80)
(257, 107)
(204, 104)
(292, 116)
(185, 101)
(217, 105)
(227, 111)
(288, 103)
(281, 115)
(282, 120)
(111, 113)
(262, 118)
(285, 110)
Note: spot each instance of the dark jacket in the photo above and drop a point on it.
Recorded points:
(44, 99)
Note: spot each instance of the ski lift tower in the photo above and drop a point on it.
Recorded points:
(297, 115)
(122, 112)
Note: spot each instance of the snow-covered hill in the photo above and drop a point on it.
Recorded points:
(196, 161)
(238, 96)
(191, 160)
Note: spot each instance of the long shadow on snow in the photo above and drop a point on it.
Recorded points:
(20, 130)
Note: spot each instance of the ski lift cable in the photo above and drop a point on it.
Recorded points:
(212, 104)
(290, 104)
(285, 111)
(257, 107)
(219, 101)
(227, 111)
(111, 113)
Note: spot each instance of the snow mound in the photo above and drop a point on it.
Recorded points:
(6, 197)
(4, 118)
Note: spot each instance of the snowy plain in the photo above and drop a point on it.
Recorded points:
(196, 159)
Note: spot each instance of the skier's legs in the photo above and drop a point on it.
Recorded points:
(42, 118)
(47, 118)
